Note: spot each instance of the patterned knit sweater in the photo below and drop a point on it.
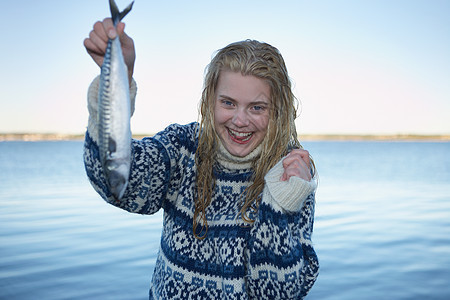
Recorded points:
(271, 259)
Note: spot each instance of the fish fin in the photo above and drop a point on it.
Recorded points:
(116, 14)
(126, 10)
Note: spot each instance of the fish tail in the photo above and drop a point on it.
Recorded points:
(116, 14)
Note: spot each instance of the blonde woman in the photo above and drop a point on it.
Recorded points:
(237, 189)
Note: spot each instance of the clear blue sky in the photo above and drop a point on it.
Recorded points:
(358, 66)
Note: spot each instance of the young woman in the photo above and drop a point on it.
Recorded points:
(237, 189)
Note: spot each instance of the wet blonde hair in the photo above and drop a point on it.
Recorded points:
(264, 61)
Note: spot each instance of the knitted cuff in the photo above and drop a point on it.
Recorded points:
(290, 194)
(93, 105)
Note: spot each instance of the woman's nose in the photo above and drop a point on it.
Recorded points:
(240, 118)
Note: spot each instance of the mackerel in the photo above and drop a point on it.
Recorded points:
(114, 113)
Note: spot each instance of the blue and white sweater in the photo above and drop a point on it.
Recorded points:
(271, 259)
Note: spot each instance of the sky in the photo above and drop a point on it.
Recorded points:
(357, 67)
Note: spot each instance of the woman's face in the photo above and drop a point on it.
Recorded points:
(241, 111)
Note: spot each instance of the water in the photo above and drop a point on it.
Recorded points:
(382, 228)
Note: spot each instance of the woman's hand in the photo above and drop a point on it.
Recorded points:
(97, 41)
(297, 163)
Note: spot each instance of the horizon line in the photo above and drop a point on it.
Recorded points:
(302, 137)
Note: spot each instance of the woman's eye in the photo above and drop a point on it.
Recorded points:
(258, 108)
(227, 103)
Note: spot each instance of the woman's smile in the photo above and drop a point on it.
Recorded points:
(240, 137)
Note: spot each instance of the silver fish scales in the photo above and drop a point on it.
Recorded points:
(114, 113)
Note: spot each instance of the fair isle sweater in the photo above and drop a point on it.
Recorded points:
(273, 258)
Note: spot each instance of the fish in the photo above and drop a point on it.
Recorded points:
(114, 113)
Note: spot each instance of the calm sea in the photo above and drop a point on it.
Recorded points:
(382, 228)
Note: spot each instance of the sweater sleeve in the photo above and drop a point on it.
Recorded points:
(287, 195)
(282, 261)
(148, 181)
(153, 166)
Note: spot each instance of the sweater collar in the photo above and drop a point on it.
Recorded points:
(230, 161)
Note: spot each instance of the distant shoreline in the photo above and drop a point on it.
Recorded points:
(306, 137)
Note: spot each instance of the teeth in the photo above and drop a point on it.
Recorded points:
(240, 134)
